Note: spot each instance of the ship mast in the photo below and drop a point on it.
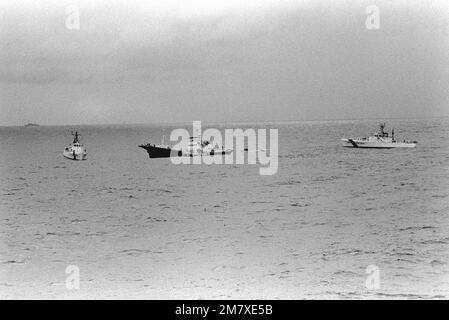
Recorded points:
(75, 139)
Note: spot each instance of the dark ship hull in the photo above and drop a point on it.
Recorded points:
(155, 151)
(160, 152)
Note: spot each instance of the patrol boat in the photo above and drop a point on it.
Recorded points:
(75, 151)
(381, 139)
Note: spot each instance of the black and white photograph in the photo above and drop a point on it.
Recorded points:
(224, 150)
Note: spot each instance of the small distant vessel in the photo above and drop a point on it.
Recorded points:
(75, 151)
(31, 125)
(381, 139)
(195, 147)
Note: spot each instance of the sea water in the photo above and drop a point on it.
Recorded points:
(145, 228)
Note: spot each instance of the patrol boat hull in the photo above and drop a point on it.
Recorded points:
(75, 155)
(358, 143)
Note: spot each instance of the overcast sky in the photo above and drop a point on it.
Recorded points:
(221, 60)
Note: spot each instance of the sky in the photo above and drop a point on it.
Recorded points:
(221, 60)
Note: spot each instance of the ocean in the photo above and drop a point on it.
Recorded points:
(145, 228)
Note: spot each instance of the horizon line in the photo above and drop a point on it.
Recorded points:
(223, 122)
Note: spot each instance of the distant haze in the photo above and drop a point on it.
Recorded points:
(229, 60)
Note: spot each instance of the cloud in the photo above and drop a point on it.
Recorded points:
(37, 46)
(222, 58)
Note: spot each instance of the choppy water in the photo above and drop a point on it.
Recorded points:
(141, 228)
